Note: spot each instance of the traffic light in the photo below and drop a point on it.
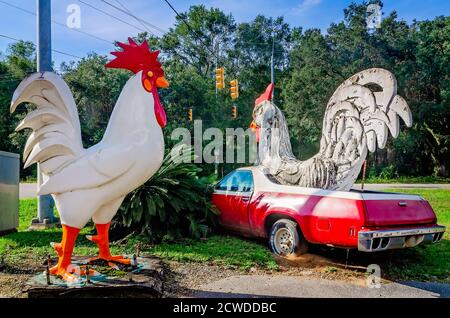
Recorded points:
(234, 111)
(220, 78)
(234, 89)
(190, 114)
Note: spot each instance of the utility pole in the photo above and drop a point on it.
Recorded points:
(272, 63)
(44, 63)
(217, 61)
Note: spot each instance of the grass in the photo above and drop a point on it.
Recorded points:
(25, 248)
(30, 248)
(222, 250)
(29, 179)
(405, 179)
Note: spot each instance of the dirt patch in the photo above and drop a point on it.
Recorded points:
(11, 285)
(13, 277)
(183, 279)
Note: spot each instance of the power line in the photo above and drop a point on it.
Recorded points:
(56, 51)
(110, 15)
(56, 22)
(125, 8)
(10, 37)
(181, 17)
(189, 27)
(67, 54)
(135, 17)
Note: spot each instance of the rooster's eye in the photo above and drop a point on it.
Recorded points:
(149, 73)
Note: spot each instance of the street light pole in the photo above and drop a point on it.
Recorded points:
(44, 63)
(44, 36)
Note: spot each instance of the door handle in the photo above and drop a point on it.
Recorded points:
(245, 199)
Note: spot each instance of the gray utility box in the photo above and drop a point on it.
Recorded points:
(9, 191)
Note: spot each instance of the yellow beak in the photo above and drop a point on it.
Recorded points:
(161, 82)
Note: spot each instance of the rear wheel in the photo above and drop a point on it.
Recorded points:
(286, 240)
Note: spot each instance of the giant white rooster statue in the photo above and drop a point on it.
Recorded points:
(92, 183)
(357, 119)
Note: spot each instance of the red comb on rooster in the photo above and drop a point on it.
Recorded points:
(137, 58)
(266, 96)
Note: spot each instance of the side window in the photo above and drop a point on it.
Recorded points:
(238, 181)
(224, 185)
(246, 181)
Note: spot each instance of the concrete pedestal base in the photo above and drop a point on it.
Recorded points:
(36, 225)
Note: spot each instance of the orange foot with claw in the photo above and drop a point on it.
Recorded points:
(102, 241)
(64, 268)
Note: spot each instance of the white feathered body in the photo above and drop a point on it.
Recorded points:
(358, 119)
(89, 183)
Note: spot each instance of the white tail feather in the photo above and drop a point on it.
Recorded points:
(56, 136)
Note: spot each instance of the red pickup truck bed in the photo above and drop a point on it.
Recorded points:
(251, 204)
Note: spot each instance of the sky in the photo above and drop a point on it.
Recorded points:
(98, 30)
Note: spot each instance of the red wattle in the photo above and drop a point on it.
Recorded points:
(160, 113)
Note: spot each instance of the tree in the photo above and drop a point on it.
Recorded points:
(197, 38)
(309, 66)
(18, 62)
(418, 56)
(428, 92)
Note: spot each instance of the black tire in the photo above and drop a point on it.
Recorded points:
(286, 240)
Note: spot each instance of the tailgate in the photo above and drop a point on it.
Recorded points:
(390, 209)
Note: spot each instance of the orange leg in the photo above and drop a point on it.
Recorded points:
(64, 267)
(102, 240)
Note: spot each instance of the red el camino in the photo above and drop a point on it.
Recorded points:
(291, 217)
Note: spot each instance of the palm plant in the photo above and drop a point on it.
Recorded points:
(173, 203)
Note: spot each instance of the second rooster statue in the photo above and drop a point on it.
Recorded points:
(92, 183)
(357, 119)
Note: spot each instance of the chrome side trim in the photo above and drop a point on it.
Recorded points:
(380, 240)
(234, 193)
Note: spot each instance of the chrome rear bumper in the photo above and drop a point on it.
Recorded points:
(381, 240)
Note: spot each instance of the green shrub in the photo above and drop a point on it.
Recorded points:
(174, 203)
(389, 172)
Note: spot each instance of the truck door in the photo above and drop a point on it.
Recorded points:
(232, 196)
